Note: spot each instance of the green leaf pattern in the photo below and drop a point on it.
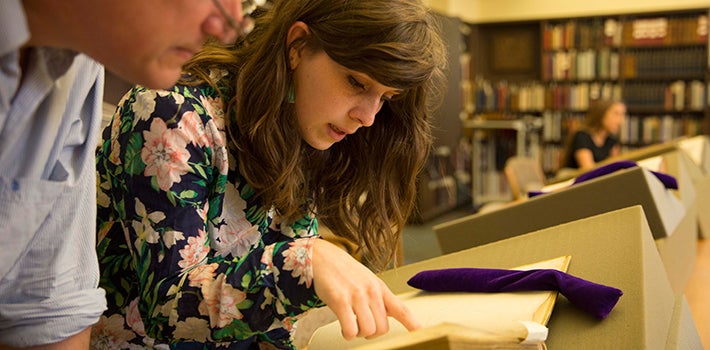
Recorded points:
(189, 259)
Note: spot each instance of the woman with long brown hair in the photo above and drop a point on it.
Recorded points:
(598, 138)
(211, 193)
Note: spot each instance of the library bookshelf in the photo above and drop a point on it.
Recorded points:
(657, 63)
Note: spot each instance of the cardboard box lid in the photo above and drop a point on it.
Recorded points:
(698, 148)
(621, 189)
(702, 189)
(674, 162)
(679, 165)
(644, 152)
(693, 183)
(633, 155)
(679, 251)
(614, 248)
(683, 334)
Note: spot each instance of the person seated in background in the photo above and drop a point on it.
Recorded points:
(597, 139)
(211, 192)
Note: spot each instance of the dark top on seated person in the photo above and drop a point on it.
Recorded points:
(596, 140)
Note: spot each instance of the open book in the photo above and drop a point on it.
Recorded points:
(461, 320)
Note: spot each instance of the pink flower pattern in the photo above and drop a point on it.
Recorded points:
(209, 253)
(165, 154)
(133, 318)
(220, 301)
(109, 333)
(215, 130)
(236, 235)
(202, 274)
(192, 129)
(194, 252)
(115, 146)
(297, 258)
(267, 258)
(237, 238)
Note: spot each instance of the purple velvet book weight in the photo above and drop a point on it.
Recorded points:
(596, 299)
(668, 181)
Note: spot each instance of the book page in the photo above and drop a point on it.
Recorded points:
(495, 315)
(454, 337)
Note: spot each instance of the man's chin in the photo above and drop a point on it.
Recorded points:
(150, 78)
(163, 79)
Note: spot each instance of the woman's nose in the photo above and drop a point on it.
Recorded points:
(366, 111)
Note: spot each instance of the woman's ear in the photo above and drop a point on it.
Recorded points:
(295, 42)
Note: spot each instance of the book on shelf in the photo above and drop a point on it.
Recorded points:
(677, 95)
(581, 34)
(462, 320)
(666, 30)
(664, 63)
(583, 64)
(650, 129)
(505, 96)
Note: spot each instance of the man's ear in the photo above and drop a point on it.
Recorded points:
(295, 42)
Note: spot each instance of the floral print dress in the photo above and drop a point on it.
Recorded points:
(189, 260)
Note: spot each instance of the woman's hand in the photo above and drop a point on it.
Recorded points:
(359, 299)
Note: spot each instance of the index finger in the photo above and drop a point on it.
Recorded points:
(400, 312)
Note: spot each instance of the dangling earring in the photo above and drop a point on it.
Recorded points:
(290, 90)
(290, 93)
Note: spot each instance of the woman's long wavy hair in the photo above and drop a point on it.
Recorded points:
(364, 187)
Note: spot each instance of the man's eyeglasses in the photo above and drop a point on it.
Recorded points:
(230, 20)
(248, 6)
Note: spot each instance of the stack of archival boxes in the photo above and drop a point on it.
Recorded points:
(592, 222)
(698, 149)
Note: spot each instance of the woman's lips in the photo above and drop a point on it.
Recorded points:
(336, 133)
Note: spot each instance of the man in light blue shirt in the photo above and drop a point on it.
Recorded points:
(51, 89)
